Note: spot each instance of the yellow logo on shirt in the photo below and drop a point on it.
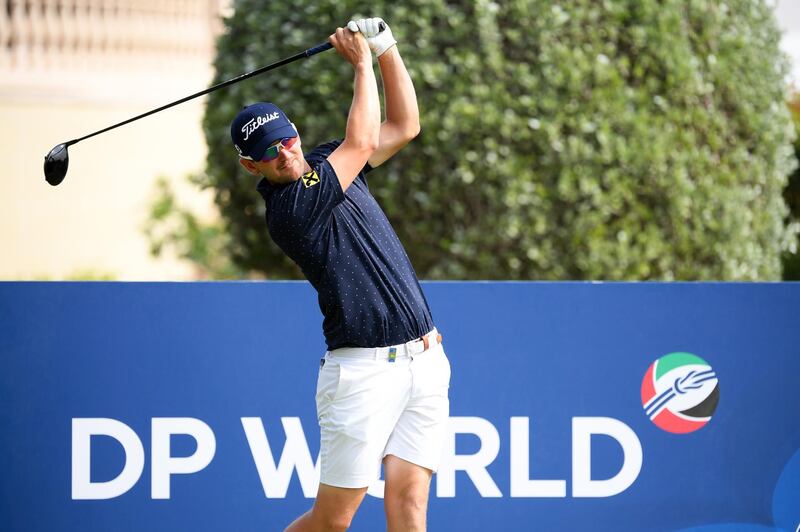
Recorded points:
(310, 179)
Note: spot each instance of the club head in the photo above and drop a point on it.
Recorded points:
(55, 164)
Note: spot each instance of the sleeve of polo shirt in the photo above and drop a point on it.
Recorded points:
(323, 151)
(305, 206)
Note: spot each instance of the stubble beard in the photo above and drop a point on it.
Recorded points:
(288, 174)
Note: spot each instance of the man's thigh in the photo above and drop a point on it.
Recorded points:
(358, 405)
(405, 496)
(403, 478)
(419, 434)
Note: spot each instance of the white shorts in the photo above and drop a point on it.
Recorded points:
(371, 404)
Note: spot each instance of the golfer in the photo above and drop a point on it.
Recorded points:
(383, 382)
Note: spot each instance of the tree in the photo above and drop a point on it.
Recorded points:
(791, 260)
(623, 139)
(172, 225)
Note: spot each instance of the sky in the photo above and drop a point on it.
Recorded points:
(787, 12)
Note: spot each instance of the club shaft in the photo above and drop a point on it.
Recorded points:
(301, 55)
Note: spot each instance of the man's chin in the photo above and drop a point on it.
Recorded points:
(289, 176)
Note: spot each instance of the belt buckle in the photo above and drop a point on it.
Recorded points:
(392, 354)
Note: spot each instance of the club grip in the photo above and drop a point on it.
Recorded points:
(318, 48)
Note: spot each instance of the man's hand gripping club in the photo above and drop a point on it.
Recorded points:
(379, 35)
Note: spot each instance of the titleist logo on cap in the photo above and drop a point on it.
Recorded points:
(257, 122)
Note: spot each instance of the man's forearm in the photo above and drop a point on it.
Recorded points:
(363, 122)
(401, 99)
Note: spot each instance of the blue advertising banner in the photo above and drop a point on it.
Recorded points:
(574, 406)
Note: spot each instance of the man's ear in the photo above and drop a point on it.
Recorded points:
(249, 166)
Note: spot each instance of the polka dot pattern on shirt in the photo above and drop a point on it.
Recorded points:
(368, 291)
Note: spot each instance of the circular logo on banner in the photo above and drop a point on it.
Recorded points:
(680, 392)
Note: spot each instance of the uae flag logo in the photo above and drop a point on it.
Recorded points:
(680, 392)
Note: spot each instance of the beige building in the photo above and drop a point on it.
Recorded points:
(68, 68)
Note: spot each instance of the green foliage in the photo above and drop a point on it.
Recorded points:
(81, 274)
(171, 225)
(584, 139)
(791, 260)
(90, 275)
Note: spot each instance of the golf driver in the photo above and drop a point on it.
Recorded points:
(57, 161)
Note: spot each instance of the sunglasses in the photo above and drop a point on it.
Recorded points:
(273, 151)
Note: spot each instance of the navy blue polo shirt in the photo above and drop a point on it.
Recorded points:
(368, 291)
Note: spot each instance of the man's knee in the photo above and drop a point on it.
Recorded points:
(334, 522)
(322, 519)
(411, 502)
(405, 494)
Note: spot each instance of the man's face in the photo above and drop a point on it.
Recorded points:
(287, 167)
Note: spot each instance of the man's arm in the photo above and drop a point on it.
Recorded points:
(363, 122)
(402, 114)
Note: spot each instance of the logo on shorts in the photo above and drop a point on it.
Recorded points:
(310, 179)
(680, 392)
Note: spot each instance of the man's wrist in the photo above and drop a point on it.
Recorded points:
(390, 54)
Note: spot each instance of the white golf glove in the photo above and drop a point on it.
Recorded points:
(379, 41)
